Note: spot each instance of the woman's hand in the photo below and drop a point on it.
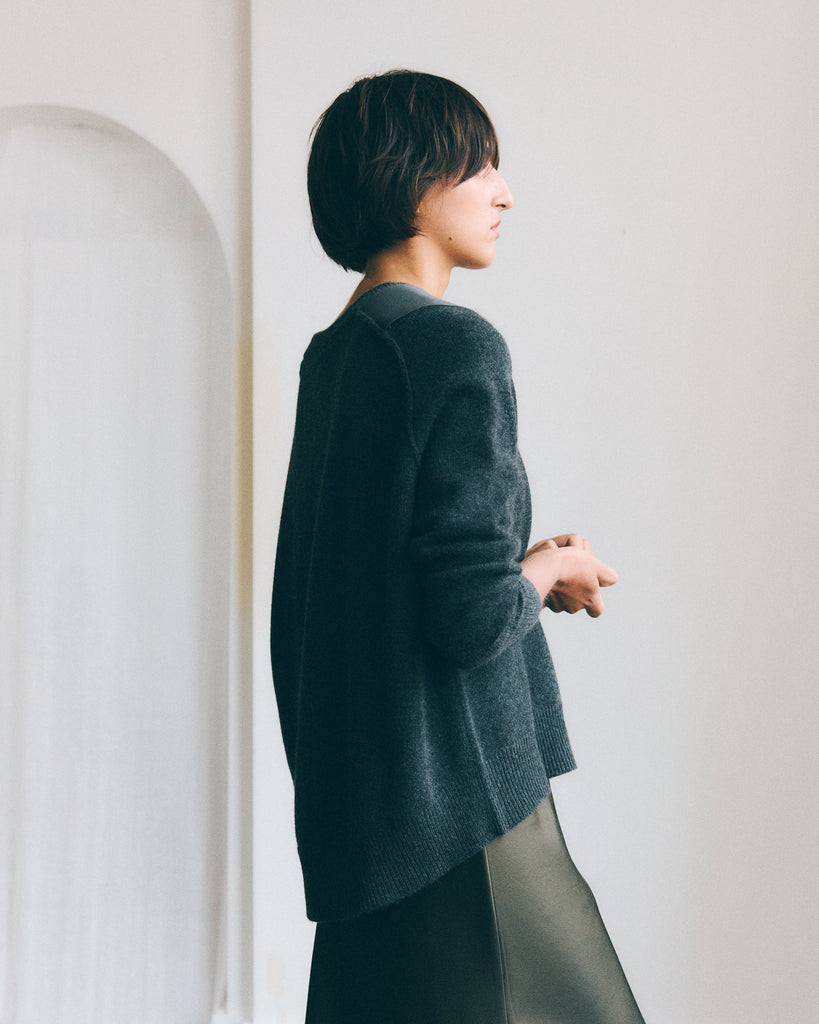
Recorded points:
(566, 574)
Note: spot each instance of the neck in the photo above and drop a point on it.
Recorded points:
(407, 262)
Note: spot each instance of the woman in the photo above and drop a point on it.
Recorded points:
(418, 702)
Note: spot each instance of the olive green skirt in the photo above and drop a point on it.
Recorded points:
(511, 936)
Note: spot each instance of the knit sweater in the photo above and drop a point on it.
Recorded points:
(418, 703)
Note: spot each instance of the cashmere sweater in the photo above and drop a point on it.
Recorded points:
(417, 699)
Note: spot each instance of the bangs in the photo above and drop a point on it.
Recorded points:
(379, 148)
(465, 142)
(458, 135)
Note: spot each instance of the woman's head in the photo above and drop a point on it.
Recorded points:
(379, 148)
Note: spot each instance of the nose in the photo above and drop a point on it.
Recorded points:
(503, 197)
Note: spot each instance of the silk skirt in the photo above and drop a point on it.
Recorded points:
(511, 936)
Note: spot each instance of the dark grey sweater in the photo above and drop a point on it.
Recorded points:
(418, 703)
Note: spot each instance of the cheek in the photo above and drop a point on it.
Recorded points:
(461, 221)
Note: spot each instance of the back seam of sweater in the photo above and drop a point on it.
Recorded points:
(385, 334)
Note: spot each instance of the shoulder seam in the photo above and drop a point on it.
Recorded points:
(405, 379)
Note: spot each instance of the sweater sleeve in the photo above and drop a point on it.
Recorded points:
(471, 501)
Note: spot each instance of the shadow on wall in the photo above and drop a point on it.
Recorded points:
(115, 432)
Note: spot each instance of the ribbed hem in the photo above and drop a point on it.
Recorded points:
(556, 750)
(412, 853)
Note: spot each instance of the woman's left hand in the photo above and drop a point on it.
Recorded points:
(574, 587)
(565, 540)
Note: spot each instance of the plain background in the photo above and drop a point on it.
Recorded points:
(657, 284)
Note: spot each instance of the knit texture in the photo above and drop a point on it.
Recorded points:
(417, 698)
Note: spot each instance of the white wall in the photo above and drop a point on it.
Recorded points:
(176, 73)
(655, 284)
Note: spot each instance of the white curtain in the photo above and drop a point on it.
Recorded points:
(115, 327)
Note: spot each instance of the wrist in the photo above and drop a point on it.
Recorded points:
(543, 570)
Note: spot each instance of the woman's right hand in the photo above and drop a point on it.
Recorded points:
(566, 574)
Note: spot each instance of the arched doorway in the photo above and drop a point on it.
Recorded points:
(115, 433)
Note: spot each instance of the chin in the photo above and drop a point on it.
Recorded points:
(478, 262)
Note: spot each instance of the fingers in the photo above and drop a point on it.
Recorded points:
(569, 540)
(573, 540)
(594, 608)
(564, 540)
(542, 545)
(606, 576)
(556, 605)
(581, 590)
(593, 604)
(575, 596)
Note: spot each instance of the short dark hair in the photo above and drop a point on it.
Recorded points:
(377, 150)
